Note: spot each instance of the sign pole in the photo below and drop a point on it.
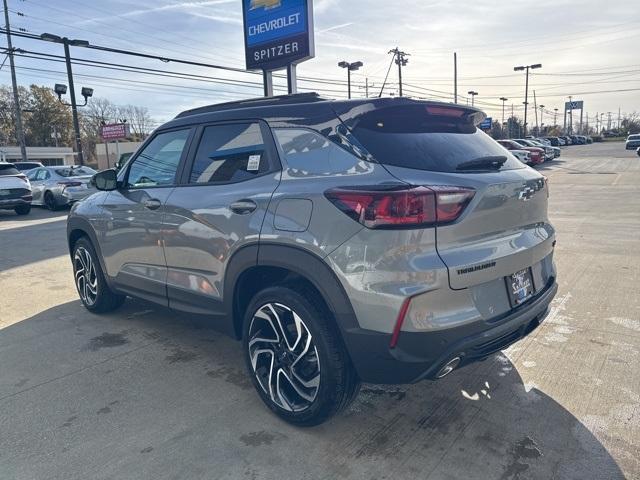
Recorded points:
(267, 79)
(292, 79)
(106, 147)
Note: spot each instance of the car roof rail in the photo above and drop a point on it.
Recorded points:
(256, 102)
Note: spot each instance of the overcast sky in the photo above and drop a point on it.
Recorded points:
(588, 49)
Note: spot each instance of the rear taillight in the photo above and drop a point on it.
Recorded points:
(401, 207)
(69, 184)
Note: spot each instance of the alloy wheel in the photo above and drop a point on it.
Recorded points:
(86, 277)
(284, 357)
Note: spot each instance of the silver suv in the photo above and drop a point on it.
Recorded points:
(382, 241)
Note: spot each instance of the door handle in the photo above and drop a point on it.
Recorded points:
(152, 204)
(243, 207)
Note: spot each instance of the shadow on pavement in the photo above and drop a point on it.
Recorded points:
(148, 393)
(49, 228)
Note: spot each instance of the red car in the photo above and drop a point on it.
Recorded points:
(537, 154)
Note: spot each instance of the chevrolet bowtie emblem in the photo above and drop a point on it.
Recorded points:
(266, 4)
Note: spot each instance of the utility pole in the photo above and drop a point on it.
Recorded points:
(526, 89)
(455, 78)
(14, 84)
(555, 117)
(609, 121)
(618, 118)
(401, 61)
(541, 122)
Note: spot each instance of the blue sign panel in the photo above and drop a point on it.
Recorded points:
(486, 124)
(277, 32)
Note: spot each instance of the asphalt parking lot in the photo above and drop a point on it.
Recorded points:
(146, 393)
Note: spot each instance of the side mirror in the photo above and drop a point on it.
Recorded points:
(106, 180)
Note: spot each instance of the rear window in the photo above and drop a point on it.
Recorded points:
(409, 137)
(75, 172)
(27, 166)
(6, 170)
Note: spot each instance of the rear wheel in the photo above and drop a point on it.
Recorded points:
(92, 287)
(50, 201)
(23, 209)
(295, 357)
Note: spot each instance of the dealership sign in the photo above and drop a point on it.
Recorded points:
(115, 131)
(277, 33)
(576, 105)
(486, 124)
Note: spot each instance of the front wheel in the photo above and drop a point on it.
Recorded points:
(92, 287)
(295, 357)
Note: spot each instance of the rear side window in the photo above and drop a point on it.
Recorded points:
(229, 153)
(6, 170)
(407, 136)
(308, 153)
(75, 172)
(157, 164)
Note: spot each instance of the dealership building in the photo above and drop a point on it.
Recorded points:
(49, 156)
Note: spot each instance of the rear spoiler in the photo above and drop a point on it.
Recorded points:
(349, 113)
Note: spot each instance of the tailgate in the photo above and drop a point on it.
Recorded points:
(502, 231)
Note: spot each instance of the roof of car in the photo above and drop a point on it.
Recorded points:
(297, 107)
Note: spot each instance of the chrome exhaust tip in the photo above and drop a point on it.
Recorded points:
(449, 367)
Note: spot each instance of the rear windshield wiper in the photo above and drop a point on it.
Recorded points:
(491, 162)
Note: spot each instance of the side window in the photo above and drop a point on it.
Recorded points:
(157, 164)
(229, 153)
(33, 174)
(43, 175)
(308, 153)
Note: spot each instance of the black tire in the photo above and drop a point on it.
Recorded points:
(104, 300)
(338, 381)
(23, 209)
(50, 201)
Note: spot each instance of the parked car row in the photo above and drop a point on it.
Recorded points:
(23, 184)
(530, 151)
(566, 140)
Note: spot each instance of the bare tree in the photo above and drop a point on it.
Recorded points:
(139, 120)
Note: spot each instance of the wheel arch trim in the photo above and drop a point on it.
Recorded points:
(79, 224)
(298, 261)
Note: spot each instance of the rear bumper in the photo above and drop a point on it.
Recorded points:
(12, 203)
(421, 355)
(71, 196)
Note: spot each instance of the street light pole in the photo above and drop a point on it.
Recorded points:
(526, 89)
(504, 99)
(350, 67)
(541, 122)
(555, 117)
(473, 96)
(14, 84)
(74, 106)
(72, 93)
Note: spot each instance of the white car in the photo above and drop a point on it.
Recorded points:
(523, 155)
(15, 189)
